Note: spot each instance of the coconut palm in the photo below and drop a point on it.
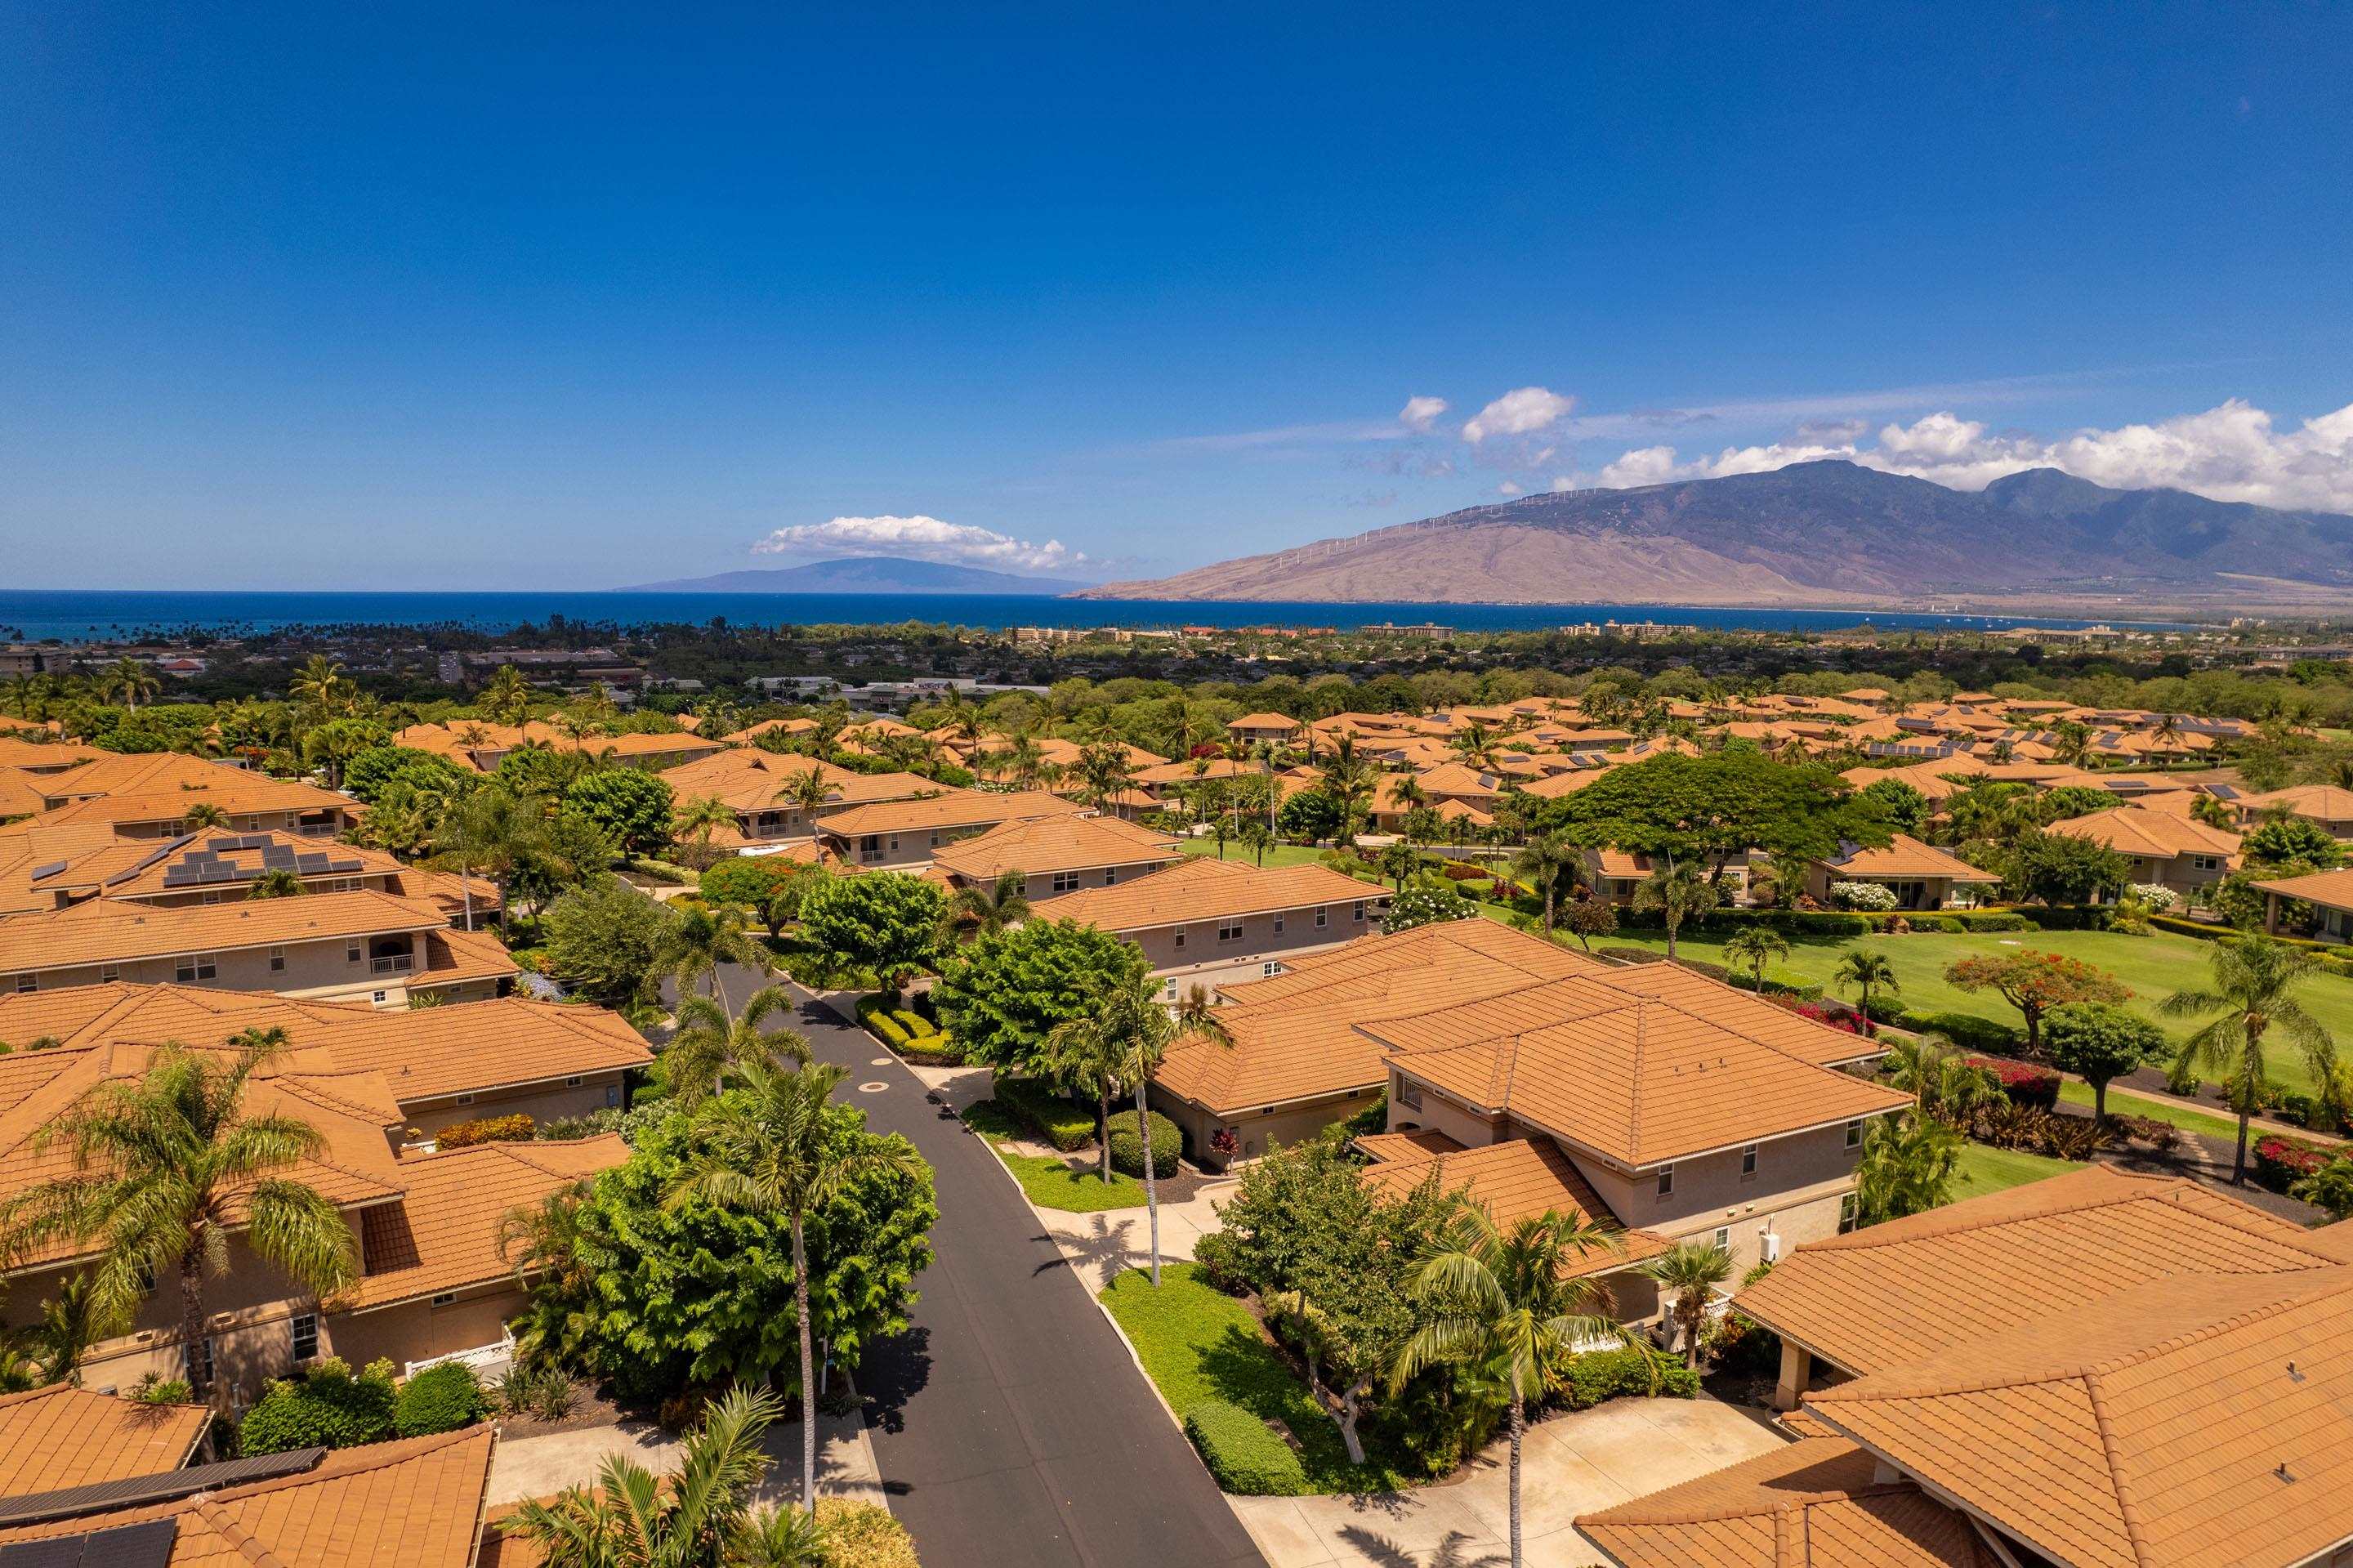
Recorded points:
(1906, 1167)
(1512, 1303)
(541, 1242)
(321, 685)
(1679, 891)
(1541, 865)
(807, 792)
(1129, 1027)
(701, 817)
(165, 1169)
(277, 883)
(68, 1327)
(1756, 946)
(129, 679)
(2210, 811)
(696, 944)
(1090, 1060)
(1942, 1083)
(490, 829)
(203, 816)
(1866, 970)
(1693, 1272)
(709, 1045)
(772, 1147)
(1348, 776)
(985, 908)
(2255, 982)
(702, 1516)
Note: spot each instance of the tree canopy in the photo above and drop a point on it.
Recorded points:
(1713, 806)
(1003, 995)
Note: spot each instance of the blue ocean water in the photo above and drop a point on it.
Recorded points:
(73, 614)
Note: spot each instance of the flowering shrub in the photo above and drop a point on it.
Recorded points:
(1836, 1017)
(2153, 897)
(1862, 896)
(1225, 1140)
(2281, 1162)
(2025, 1084)
(515, 1128)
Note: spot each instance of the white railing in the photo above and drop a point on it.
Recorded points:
(393, 964)
(487, 1361)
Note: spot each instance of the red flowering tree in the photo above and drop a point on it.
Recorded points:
(2035, 982)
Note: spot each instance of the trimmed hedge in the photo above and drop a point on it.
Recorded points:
(1242, 1453)
(1965, 1030)
(438, 1399)
(2025, 1084)
(1588, 1380)
(1778, 982)
(515, 1128)
(1127, 1150)
(328, 1408)
(1067, 1125)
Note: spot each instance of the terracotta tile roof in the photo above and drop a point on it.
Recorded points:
(1282, 722)
(2151, 835)
(1929, 778)
(44, 756)
(1520, 1178)
(452, 956)
(2333, 889)
(1815, 1504)
(61, 1437)
(103, 930)
(227, 860)
(1204, 888)
(443, 1235)
(417, 1504)
(422, 1053)
(1458, 779)
(1037, 845)
(2196, 1422)
(945, 808)
(162, 786)
(1637, 1079)
(1904, 856)
(749, 780)
(458, 741)
(1894, 1293)
(1419, 1144)
(1749, 1014)
(2321, 802)
(1553, 786)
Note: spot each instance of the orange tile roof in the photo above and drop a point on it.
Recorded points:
(1814, 1504)
(1035, 845)
(1907, 856)
(1519, 1178)
(61, 1437)
(2151, 835)
(118, 874)
(1204, 888)
(162, 786)
(2196, 1422)
(415, 1503)
(945, 808)
(1894, 1293)
(443, 1235)
(102, 930)
(1419, 1144)
(44, 756)
(2321, 802)
(750, 779)
(458, 741)
(2333, 889)
(1931, 778)
(1282, 722)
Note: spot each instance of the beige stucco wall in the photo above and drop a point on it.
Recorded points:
(542, 1103)
(314, 969)
(1201, 954)
(1257, 1130)
(1437, 1113)
(419, 1331)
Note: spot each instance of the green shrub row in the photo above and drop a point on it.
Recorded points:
(438, 1399)
(1585, 1381)
(1965, 1030)
(1063, 1123)
(328, 1407)
(1127, 1150)
(907, 1031)
(1778, 982)
(1244, 1454)
(1845, 923)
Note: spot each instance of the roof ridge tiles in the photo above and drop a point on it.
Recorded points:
(1952, 1222)
(2125, 1508)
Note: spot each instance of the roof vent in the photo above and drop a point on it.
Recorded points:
(2284, 1472)
(2294, 1375)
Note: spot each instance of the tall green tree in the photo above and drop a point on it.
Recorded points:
(165, 1170)
(2099, 1042)
(1124, 1027)
(886, 921)
(2254, 990)
(696, 945)
(1545, 861)
(1867, 969)
(1002, 995)
(1692, 1271)
(710, 1044)
(1678, 890)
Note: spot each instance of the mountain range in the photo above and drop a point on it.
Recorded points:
(866, 574)
(1828, 533)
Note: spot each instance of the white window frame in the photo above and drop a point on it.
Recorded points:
(193, 967)
(1065, 882)
(1854, 1133)
(1229, 929)
(1322, 916)
(354, 950)
(446, 1298)
(1748, 1162)
(1666, 1180)
(302, 1326)
(1278, 922)
(1850, 1210)
(109, 972)
(1180, 937)
(26, 983)
(1359, 916)
(1721, 1238)
(278, 959)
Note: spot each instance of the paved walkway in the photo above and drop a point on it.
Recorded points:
(1570, 1465)
(543, 1466)
(1011, 1425)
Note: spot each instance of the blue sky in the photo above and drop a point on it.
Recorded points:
(572, 296)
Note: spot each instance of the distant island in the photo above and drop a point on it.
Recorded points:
(867, 574)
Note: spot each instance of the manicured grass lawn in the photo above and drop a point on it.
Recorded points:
(1199, 1343)
(1045, 1180)
(2122, 1102)
(2153, 967)
(1276, 854)
(1986, 1170)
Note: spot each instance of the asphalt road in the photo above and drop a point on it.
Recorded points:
(1011, 1425)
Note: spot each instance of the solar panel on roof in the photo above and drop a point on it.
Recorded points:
(278, 857)
(163, 1486)
(147, 1545)
(55, 866)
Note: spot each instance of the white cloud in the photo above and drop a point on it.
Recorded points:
(1421, 413)
(921, 538)
(1507, 488)
(1517, 413)
(2229, 453)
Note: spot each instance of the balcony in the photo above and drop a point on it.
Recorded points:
(393, 964)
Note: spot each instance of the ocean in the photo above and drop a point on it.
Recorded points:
(95, 614)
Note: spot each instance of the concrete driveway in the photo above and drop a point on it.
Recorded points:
(1571, 1465)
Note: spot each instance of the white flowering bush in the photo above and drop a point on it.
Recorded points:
(2155, 899)
(1871, 896)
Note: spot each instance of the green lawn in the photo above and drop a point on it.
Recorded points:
(1276, 854)
(1198, 1343)
(1045, 1179)
(1988, 1170)
(2153, 967)
(2123, 1102)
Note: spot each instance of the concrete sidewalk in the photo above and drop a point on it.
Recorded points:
(541, 1467)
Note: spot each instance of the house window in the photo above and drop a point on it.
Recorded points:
(110, 972)
(1360, 912)
(935, 844)
(464, 1099)
(1748, 1162)
(1067, 882)
(1854, 1133)
(612, 1096)
(1269, 969)
(1409, 1095)
(1846, 1214)
(200, 1362)
(1666, 1180)
(277, 960)
(191, 969)
(1180, 939)
(1278, 922)
(1110, 874)
(444, 1299)
(1722, 1239)
(378, 997)
(352, 953)
(306, 1335)
(1167, 994)
(1229, 930)
(2205, 863)
(573, 1082)
(1321, 917)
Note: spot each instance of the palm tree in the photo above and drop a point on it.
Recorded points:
(698, 942)
(807, 792)
(986, 908)
(202, 815)
(320, 685)
(1091, 1060)
(130, 680)
(1693, 1272)
(701, 817)
(507, 699)
(1511, 1303)
(2210, 811)
(490, 829)
(1541, 863)
(2071, 743)
(1756, 946)
(1129, 1027)
(1941, 1080)
(1105, 772)
(1679, 891)
(1866, 968)
(1349, 776)
(702, 1516)
(709, 1045)
(542, 1243)
(165, 1169)
(2253, 992)
(277, 883)
(68, 1328)
(773, 1147)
